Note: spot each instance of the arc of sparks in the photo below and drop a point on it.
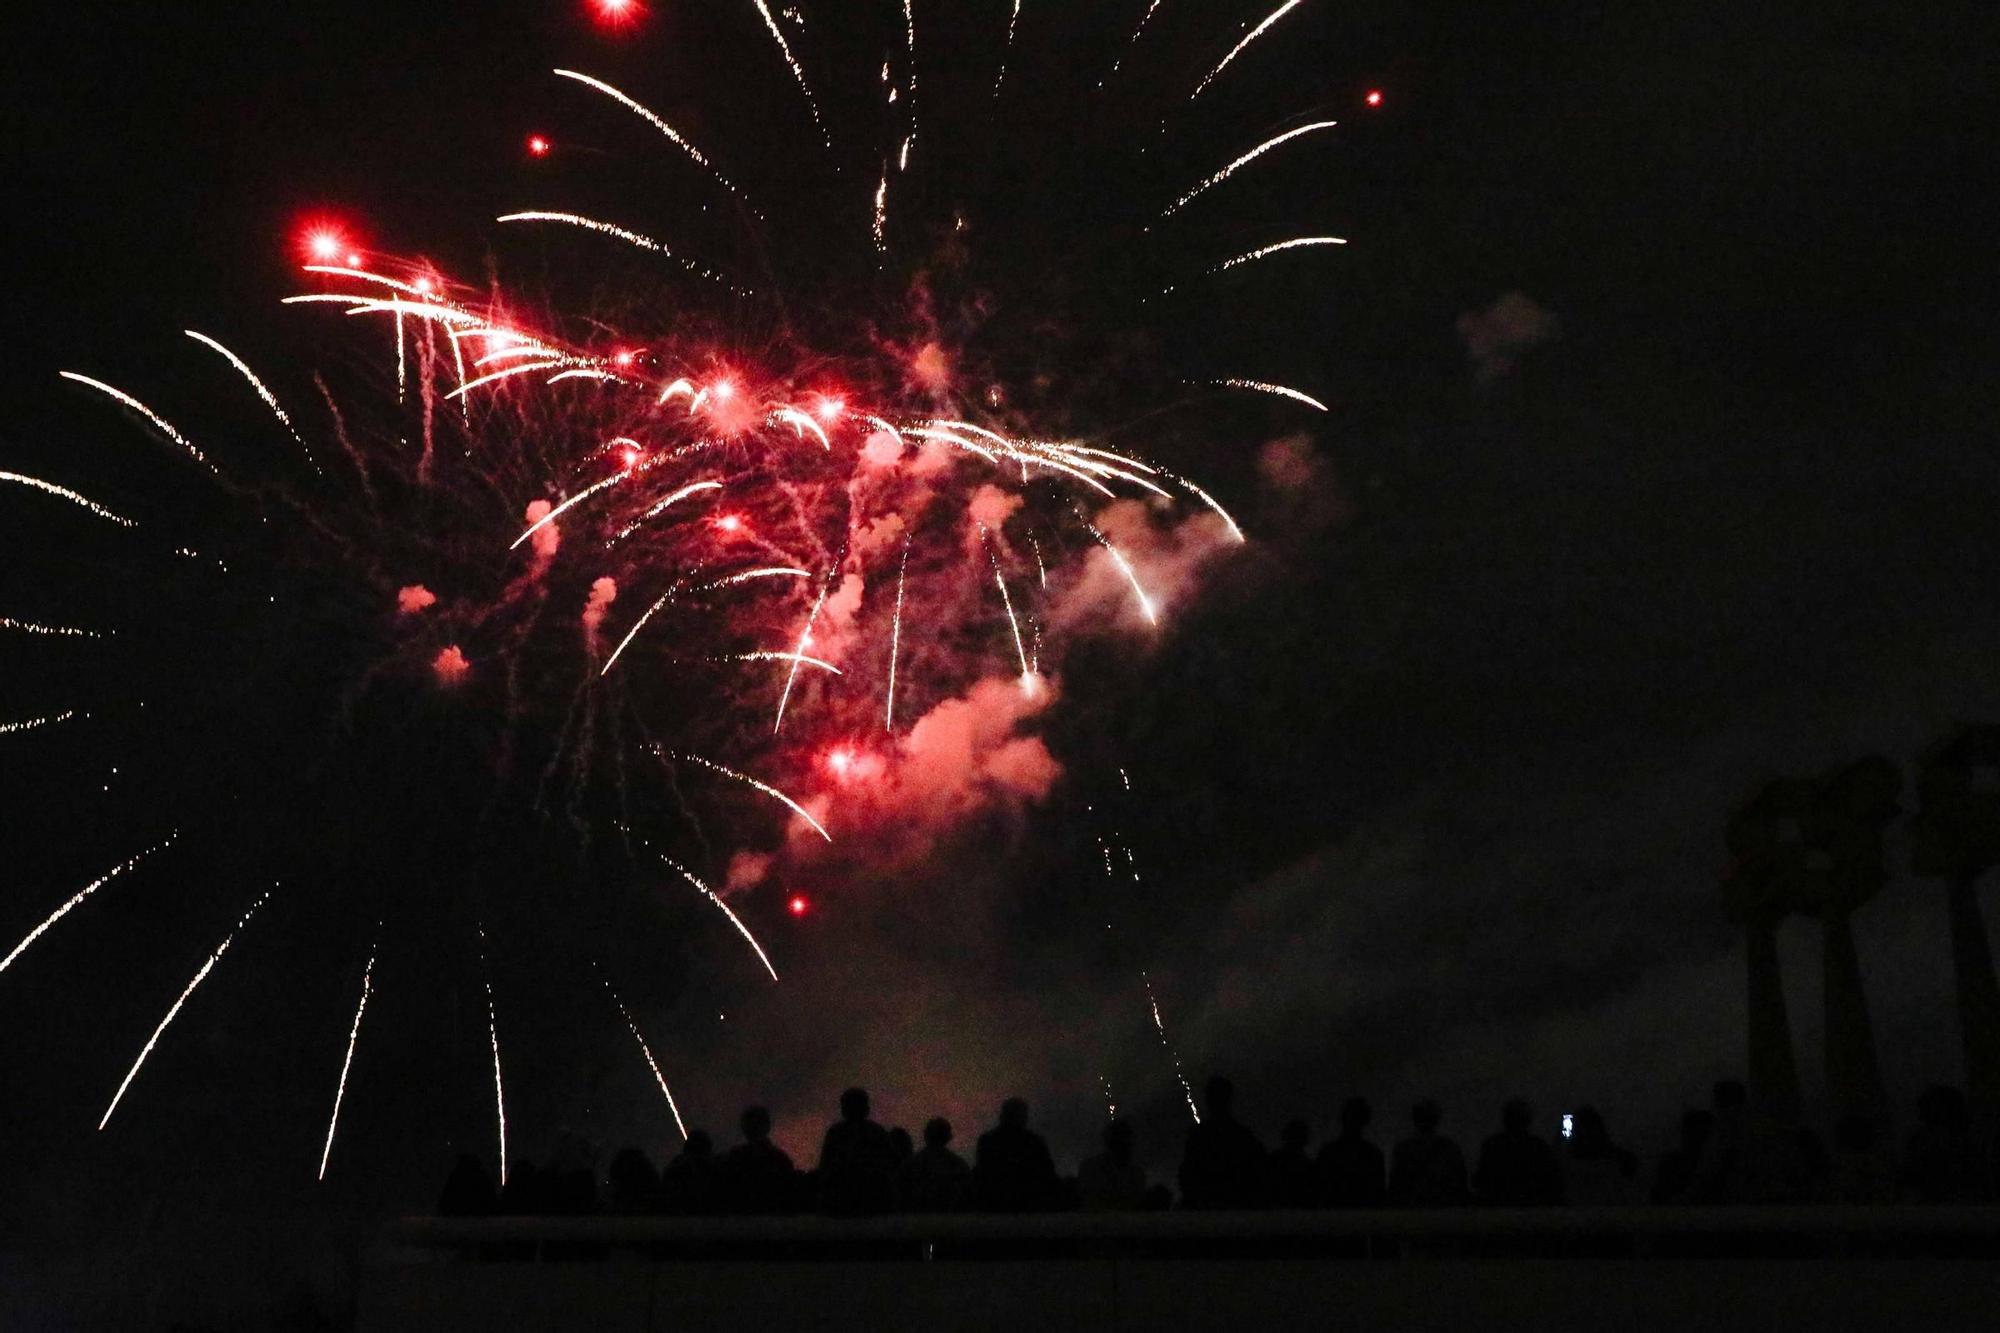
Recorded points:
(692, 488)
(31, 723)
(1239, 48)
(1214, 505)
(507, 372)
(652, 1064)
(1007, 600)
(625, 234)
(1219, 177)
(734, 919)
(65, 493)
(1159, 1025)
(1280, 390)
(1144, 19)
(174, 1009)
(263, 392)
(58, 631)
(626, 642)
(1007, 48)
(493, 1039)
(580, 497)
(674, 136)
(353, 1036)
(798, 70)
(1125, 568)
(768, 572)
(166, 427)
(805, 639)
(71, 902)
(761, 786)
(1276, 247)
(766, 655)
(896, 637)
(803, 424)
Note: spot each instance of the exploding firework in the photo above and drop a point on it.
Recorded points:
(830, 460)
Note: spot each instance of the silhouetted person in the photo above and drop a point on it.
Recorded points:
(1223, 1163)
(1516, 1166)
(570, 1179)
(522, 1194)
(1291, 1177)
(688, 1187)
(468, 1190)
(1862, 1172)
(856, 1163)
(1351, 1171)
(1594, 1169)
(1012, 1172)
(1942, 1161)
(901, 1149)
(1721, 1176)
(634, 1184)
(1427, 1170)
(757, 1176)
(1673, 1182)
(935, 1180)
(1111, 1182)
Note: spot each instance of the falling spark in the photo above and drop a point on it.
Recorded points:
(1262, 386)
(1214, 505)
(1264, 251)
(1007, 600)
(882, 214)
(61, 631)
(769, 572)
(651, 1063)
(1160, 1025)
(800, 658)
(582, 495)
(803, 423)
(798, 70)
(626, 642)
(523, 369)
(805, 638)
(1144, 19)
(30, 723)
(764, 787)
(896, 637)
(270, 399)
(353, 1035)
(1007, 49)
(1237, 50)
(175, 1008)
(165, 427)
(692, 488)
(65, 493)
(493, 1039)
(79, 896)
(624, 234)
(1245, 161)
(734, 920)
(673, 135)
(1125, 568)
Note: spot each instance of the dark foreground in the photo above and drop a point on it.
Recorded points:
(1625, 1269)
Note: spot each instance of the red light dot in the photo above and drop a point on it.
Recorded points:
(729, 523)
(840, 761)
(423, 285)
(615, 13)
(625, 358)
(1374, 97)
(723, 390)
(323, 245)
(353, 259)
(631, 457)
(831, 408)
(538, 146)
(798, 905)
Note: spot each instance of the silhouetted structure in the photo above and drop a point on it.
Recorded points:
(1291, 1177)
(1766, 840)
(1111, 1181)
(1955, 837)
(634, 1184)
(468, 1190)
(856, 1163)
(1352, 1173)
(1223, 1163)
(1012, 1171)
(1674, 1180)
(936, 1179)
(690, 1185)
(1516, 1166)
(1428, 1169)
(1594, 1169)
(1850, 810)
(1944, 1162)
(757, 1176)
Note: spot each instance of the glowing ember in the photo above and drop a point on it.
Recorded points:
(798, 906)
(538, 146)
(1374, 97)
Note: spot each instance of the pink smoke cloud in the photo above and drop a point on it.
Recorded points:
(597, 606)
(415, 598)
(1166, 561)
(450, 666)
(547, 540)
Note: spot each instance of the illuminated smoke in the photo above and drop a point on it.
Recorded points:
(414, 599)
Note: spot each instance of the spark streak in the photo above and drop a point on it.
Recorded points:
(165, 426)
(30, 723)
(1144, 19)
(805, 637)
(270, 399)
(1006, 50)
(626, 642)
(625, 234)
(764, 787)
(1007, 600)
(200, 976)
(1160, 1025)
(353, 1035)
(734, 919)
(1261, 252)
(673, 135)
(60, 631)
(692, 488)
(1125, 568)
(493, 1039)
(65, 493)
(798, 70)
(79, 896)
(651, 1063)
(1244, 161)
(1238, 49)
(896, 637)
(764, 655)
(1262, 386)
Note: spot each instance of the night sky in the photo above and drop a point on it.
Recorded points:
(1660, 461)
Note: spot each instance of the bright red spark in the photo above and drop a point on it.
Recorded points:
(831, 408)
(615, 13)
(353, 259)
(1374, 97)
(323, 244)
(625, 358)
(798, 905)
(538, 146)
(632, 456)
(730, 523)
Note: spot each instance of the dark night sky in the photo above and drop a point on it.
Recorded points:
(1433, 782)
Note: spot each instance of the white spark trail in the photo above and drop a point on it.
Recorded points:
(60, 631)
(1160, 1025)
(1262, 386)
(1261, 252)
(692, 488)
(263, 391)
(1013, 21)
(805, 638)
(673, 135)
(165, 426)
(770, 572)
(1007, 600)
(65, 493)
(651, 1063)
(30, 723)
(1125, 568)
(765, 655)
(79, 896)
(353, 1036)
(764, 787)
(1214, 505)
(798, 70)
(493, 1038)
(625, 234)
(525, 368)
(896, 638)
(803, 424)
(734, 919)
(1244, 161)
(1144, 19)
(1238, 49)
(200, 976)
(578, 498)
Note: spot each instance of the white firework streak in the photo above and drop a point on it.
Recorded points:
(1125, 568)
(673, 135)
(493, 1039)
(692, 488)
(264, 392)
(353, 1036)
(1264, 386)
(765, 655)
(79, 896)
(582, 495)
(65, 493)
(377, 305)
(734, 920)
(524, 368)
(630, 237)
(626, 642)
(60, 631)
(805, 638)
(1213, 504)
(1248, 38)
(764, 787)
(200, 976)
(651, 1063)
(1013, 21)
(798, 70)
(770, 572)
(802, 423)
(1174, 1055)
(896, 637)
(1244, 161)
(165, 426)
(1144, 19)
(585, 373)
(31, 723)
(1277, 247)
(882, 214)
(1007, 600)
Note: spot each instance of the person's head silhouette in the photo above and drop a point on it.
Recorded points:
(937, 1132)
(756, 1124)
(1425, 1115)
(1220, 1094)
(1014, 1113)
(699, 1145)
(1516, 1116)
(1355, 1113)
(854, 1104)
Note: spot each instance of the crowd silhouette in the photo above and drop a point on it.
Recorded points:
(1728, 1153)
